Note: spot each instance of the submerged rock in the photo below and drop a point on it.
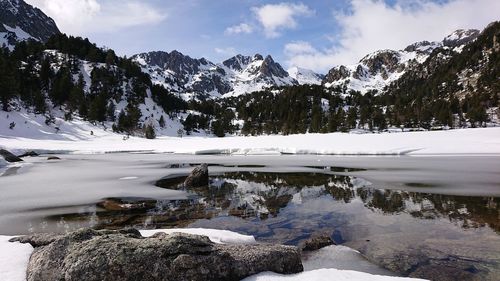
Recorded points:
(9, 157)
(198, 177)
(317, 242)
(30, 153)
(89, 254)
(53, 158)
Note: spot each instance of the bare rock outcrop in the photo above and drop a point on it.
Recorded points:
(89, 254)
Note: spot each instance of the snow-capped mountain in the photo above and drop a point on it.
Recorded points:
(20, 21)
(184, 75)
(248, 74)
(466, 65)
(204, 79)
(379, 69)
(460, 37)
(305, 76)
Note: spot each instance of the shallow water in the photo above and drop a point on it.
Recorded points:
(433, 217)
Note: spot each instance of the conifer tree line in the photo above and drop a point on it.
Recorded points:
(40, 76)
(40, 79)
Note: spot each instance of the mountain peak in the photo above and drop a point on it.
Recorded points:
(460, 37)
(237, 62)
(270, 68)
(257, 57)
(269, 58)
(425, 47)
(20, 21)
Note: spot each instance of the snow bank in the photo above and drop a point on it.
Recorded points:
(341, 258)
(215, 235)
(337, 263)
(13, 259)
(325, 274)
(31, 133)
(463, 141)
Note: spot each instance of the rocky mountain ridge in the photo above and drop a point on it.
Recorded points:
(204, 79)
(467, 65)
(379, 69)
(20, 21)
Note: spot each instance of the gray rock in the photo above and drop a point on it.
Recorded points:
(198, 177)
(30, 153)
(36, 240)
(9, 157)
(317, 242)
(89, 255)
(336, 74)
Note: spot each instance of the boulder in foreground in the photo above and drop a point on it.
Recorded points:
(9, 157)
(89, 254)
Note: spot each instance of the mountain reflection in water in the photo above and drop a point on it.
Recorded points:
(260, 195)
(384, 225)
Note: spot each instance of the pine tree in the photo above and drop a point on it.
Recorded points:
(45, 74)
(39, 102)
(110, 58)
(110, 111)
(316, 117)
(352, 116)
(97, 109)
(149, 132)
(9, 88)
(161, 122)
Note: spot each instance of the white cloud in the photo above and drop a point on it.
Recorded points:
(275, 18)
(229, 51)
(81, 17)
(299, 48)
(240, 28)
(373, 25)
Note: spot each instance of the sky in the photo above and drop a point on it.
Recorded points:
(314, 34)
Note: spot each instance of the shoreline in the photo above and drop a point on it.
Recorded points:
(479, 141)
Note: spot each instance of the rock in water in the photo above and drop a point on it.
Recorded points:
(30, 153)
(9, 157)
(53, 158)
(90, 255)
(198, 177)
(317, 242)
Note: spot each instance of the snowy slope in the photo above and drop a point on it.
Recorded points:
(31, 125)
(305, 76)
(379, 69)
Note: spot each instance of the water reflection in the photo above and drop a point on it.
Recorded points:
(261, 195)
(415, 234)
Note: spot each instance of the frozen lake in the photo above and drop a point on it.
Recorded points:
(433, 217)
